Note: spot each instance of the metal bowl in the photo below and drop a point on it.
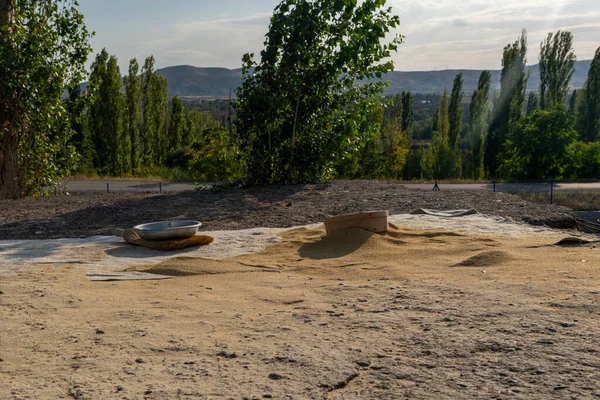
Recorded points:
(167, 230)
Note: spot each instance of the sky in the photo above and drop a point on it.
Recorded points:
(439, 34)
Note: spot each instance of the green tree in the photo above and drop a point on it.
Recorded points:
(176, 123)
(77, 106)
(440, 160)
(194, 126)
(478, 125)
(160, 93)
(214, 157)
(533, 103)
(132, 102)
(154, 110)
(456, 112)
(112, 147)
(589, 110)
(408, 116)
(584, 160)
(299, 108)
(557, 59)
(508, 108)
(537, 146)
(395, 141)
(43, 48)
(573, 102)
(196, 122)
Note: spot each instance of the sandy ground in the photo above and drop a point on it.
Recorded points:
(444, 314)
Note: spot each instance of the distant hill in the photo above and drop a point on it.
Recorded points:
(185, 80)
(189, 81)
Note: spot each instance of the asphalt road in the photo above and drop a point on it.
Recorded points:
(145, 186)
(128, 186)
(509, 187)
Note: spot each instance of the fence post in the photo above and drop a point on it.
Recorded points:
(494, 186)
(107, 188)
(160, 187)
(551, 192)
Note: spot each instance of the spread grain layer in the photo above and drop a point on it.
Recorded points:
(409, 314)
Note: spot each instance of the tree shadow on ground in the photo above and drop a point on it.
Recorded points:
(234, 208)
(268, 207)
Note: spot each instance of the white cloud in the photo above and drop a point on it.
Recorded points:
(472, 33)
(438, 33)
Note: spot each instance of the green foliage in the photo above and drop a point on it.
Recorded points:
(556, 68)
(383, 154)
(533, 103)
(573, 102)
(478, 126)
(132, 103)
(300, 108)
(195, 123)
(441, 160)
(176, 123)
(537, 146)
(43, 48)
(213, 157)
(395, 140)
(413, 167)
(112, 145)
(408, 115)
(508, 107)
(76, 106)
(154, 114)
(584, 160)
(178, 158)
(588, 123)
(455, 112)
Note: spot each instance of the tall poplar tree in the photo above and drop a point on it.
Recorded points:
(148, 130)
(456, 112)
(160, 93)
(439, 161)
(533, 103)
(557, 59)
(133, 100)
(588, 123)
(408, 116)
(122, 145)
(478, 125)
(176, 123)
(573, 102)
(154, 112)
(106, 116)
(508, 107)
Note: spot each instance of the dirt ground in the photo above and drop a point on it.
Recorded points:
(411, 314)
(83, 215)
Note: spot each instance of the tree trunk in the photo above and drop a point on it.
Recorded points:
(9, 170)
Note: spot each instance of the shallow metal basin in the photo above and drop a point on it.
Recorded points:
(167, 230)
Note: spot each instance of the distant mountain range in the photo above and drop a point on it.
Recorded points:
(185, 80)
